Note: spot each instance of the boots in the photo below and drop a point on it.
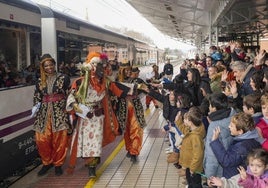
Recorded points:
(133, 158)
(173, 157)
(92, 171)
(44, 169)
(58, 171)
(128, 155)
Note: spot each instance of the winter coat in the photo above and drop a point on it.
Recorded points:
(245, 81)
(231, 182)
(235, 155)
(263, 126)
(222, 119)
(252, 181)
(192, 147)
(169, 111)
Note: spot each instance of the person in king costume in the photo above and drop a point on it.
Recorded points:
(130, 112)
(96, 125)
(52, 123)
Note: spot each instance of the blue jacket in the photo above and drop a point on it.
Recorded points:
(245, 86)
(211, 164)
(237, 152)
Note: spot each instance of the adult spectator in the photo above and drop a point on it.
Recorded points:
(168, 70)
(243, 73)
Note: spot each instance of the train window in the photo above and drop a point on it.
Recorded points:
(15, 70)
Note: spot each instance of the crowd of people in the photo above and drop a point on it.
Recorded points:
(218, 106)
(216, 110)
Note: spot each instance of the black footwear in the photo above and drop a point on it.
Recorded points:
(44, 169)
(128, 155)
(133, 158)
(58, 171)
(92, 172)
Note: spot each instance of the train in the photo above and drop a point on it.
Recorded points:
(28, 30)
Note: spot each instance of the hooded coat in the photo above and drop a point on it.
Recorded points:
(235, 155)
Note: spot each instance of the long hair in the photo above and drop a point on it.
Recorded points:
(196, 78)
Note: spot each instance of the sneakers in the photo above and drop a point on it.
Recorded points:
(173, 157)
(44, 169)
(169, 151)
(58, 171)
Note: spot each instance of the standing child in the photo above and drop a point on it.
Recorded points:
(252, 106)
(192, 147)
(255, 176)
(257, 173)
(246, 138)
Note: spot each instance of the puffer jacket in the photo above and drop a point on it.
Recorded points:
(235, 155)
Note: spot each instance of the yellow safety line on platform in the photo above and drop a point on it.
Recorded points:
(92, 181)
(99, 172)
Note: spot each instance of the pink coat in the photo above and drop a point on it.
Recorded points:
(252, 181)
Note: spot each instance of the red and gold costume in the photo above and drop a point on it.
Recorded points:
(100, 126)
(131, 116)
(51, 123)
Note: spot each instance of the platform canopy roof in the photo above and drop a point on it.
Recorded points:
(199, 21)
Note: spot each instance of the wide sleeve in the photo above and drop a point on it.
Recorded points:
(37, 94)
(120, 89)
(71, 97)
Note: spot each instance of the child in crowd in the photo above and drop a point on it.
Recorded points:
(192, 147)
(219, 116)
(262, 126)
(176, 100)
(252, 106)
(183, 104)
(246, 138)
(255, 176)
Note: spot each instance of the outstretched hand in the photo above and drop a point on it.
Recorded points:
(215, 181)
(216, 133)
(242, 172)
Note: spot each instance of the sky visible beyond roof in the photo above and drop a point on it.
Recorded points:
(114, 13)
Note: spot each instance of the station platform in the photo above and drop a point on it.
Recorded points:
(116, 170)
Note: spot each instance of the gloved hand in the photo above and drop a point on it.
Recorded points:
(35, 109)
